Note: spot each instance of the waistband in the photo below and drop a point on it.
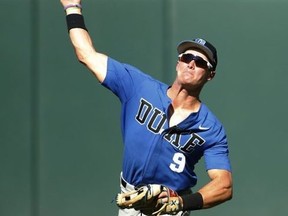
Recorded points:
(128, 186)
(125, 184)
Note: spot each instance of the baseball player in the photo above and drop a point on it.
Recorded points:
(166, 129)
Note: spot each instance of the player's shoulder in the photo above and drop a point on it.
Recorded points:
(131, 70)
(208, 117)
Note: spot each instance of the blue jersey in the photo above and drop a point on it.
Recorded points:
(154, 152)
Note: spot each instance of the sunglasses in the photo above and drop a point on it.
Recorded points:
(199, 61)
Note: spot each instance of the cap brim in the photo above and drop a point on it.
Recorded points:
(185, 45)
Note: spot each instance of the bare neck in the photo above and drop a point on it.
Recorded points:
(182, 105)
(184, 99)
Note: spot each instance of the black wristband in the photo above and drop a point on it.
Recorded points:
(75, 21)
(192, 201)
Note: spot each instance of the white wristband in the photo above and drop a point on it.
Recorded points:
(72, 5)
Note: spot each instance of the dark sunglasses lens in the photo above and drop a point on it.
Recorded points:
(187, 58)
(200, 62)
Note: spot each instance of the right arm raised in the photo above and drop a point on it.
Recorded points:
(83, 46)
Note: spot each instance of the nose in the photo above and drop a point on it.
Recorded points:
(191, 64)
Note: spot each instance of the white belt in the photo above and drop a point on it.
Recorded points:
(125, 184)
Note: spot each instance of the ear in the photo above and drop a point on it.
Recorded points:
(177, 63)
(211, 75)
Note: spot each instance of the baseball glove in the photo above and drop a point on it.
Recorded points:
(151, 199)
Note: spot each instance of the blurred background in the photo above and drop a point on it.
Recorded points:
(60, 143)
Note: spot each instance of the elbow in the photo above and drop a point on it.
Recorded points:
(83, 55)
(226, 196)
(81, 58)
(227, 185)
(229, 194)
(81, 61)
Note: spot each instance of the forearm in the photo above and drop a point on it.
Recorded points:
(217, 191)
(81, 40)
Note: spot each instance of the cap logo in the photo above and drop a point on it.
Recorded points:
(200, 41)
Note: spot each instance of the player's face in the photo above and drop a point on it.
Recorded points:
(194, 73)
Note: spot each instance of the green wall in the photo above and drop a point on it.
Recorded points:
(60, 143)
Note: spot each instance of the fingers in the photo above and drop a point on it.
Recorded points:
(163, 194)
(162, 200)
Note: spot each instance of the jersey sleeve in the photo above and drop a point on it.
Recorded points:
(122, 79)
(217, 154)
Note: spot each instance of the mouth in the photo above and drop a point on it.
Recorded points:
(189, 72)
